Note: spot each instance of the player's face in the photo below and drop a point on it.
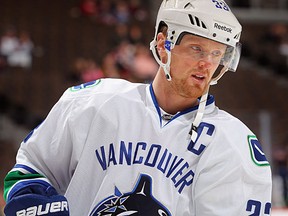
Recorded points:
(193, 63)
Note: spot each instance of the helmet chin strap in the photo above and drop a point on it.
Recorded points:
(199, 116)
(202, 104)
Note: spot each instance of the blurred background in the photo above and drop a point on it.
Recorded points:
(47, 46)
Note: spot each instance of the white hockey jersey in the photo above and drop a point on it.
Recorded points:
(109, 148)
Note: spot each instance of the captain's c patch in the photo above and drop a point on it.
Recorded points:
(256, 151)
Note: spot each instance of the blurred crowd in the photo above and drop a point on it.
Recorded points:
(112, 12)
(273, 51)
(269, 49)
(129, 56)
(16, 48)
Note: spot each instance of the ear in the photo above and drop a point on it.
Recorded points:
(161, 46)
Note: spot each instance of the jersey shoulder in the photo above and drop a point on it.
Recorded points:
(233, 136)
(99, 95)
(106, 86)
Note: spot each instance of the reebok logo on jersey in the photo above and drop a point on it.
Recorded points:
(41, 210)
(223, 28)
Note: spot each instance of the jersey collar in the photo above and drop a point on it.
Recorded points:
(210, 105)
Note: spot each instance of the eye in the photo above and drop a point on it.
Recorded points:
(196, 48)
(216, 53)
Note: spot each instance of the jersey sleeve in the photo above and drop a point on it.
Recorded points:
(47, 155)
(231, 178)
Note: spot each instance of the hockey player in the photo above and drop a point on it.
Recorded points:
(111, 147)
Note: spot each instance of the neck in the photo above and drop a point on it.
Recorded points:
(169, 100)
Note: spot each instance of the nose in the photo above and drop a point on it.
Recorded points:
(205, 59)
(205, 63)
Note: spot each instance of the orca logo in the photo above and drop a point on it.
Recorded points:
(138, 202)
(85, 85)
(256, 152)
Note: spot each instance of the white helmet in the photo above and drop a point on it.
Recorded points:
(211, 19)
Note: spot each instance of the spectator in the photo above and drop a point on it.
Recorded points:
(271, 53)
(109, 65)
(137, 10)
(122, 12)
(8, 44)
(144, 66)
(124, 58)
(21, 56)
(118, 62)
(106, 16)
(86, 70)
(120, 34)
(89, 8)
(136, 34)
(275, 33)
(91, 71)
(111, 12)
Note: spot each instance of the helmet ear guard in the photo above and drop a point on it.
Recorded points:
(168, 46)
(165, 66)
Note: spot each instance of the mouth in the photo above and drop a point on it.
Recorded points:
(198, 77)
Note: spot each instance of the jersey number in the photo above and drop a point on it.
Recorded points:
(221, 5)
(255, 208)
